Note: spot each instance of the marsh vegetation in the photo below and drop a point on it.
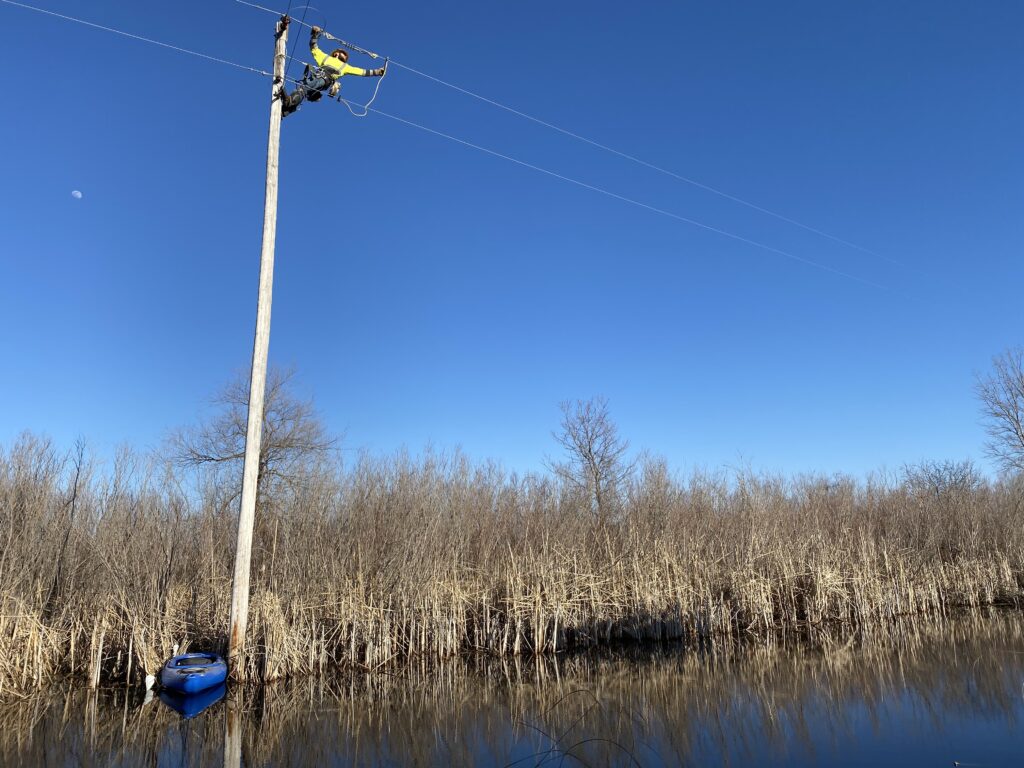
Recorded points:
(432, 556)
(366, 562)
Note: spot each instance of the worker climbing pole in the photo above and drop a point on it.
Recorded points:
(325, 75)
(258, 376)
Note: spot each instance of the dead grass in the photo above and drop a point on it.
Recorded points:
(388, 561)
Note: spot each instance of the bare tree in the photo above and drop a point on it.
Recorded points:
(942, 479)
(595, 462)
(79, 466)
(294, 437)
(1002, 406)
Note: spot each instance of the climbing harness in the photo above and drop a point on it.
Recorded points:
(334, 91)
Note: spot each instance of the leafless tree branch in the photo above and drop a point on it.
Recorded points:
(595, 463)
(1002, 406)
(294, 437)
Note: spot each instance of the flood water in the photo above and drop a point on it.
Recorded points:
(905, 696)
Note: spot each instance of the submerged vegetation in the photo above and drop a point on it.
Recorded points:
(423, 558)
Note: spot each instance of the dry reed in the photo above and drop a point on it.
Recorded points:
(600, 707)
(426, 558)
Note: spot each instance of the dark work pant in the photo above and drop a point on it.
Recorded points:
(314, 82)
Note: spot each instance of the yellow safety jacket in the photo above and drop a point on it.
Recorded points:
(334, 67)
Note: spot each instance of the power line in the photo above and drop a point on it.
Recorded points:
(295, 45)
(523, 163)
(652, 166)
(631, 201)
(626, 156)
(138, 37)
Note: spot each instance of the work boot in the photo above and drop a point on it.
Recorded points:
(288, 102)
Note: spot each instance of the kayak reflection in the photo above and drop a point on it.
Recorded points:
(190, 705)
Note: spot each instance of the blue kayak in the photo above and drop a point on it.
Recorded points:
(193, 672)
(190, 705)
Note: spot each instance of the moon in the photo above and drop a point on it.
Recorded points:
(76, 194)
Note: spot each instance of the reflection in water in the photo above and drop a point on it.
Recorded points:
(927, 696)
(192, 705)
(233, 729)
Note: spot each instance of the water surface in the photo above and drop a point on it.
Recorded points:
(906, 696)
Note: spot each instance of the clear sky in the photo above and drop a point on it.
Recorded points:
(426, 292)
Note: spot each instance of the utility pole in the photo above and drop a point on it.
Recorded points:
(258, 380)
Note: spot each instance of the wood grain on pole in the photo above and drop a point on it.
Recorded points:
(258, 380)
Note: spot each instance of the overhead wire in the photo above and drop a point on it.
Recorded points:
(287, 13)
(631, 201)
(366, 107)
(292, 58)
(494, 153)
(646, 164)
(328, 35)
(138, 37)
(623, 155)
(295, 45)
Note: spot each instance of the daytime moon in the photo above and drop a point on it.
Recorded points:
(76, 194)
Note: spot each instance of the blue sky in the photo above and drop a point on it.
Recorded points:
(453, 298)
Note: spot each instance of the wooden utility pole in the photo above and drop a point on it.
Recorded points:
(258, 380)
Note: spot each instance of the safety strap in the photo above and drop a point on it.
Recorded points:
(353, 46)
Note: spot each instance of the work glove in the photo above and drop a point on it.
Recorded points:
(377, 72)
(315, 32)
(334, 90)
